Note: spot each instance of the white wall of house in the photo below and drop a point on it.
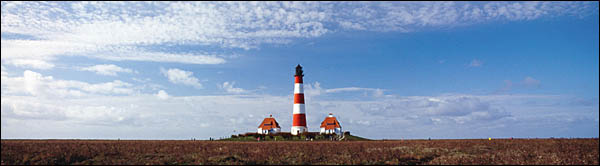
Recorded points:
(272, 131)
(337, 131)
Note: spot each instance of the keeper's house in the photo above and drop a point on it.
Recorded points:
(331, 126)
(269, 126)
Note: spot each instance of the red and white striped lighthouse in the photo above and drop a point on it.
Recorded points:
(299, 120)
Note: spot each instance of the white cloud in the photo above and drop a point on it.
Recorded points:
(31, 63)
(349, 89)
(137, 54)
(121, 30)
(217, 22)
(40, 53)
(145, 80)
(40, 49)
(315, 89)
(178, 76)
(78, 107)
(162, 95)
(412, 16)
(21, 109)
(37, 54)
(378, 92)
(107, 69)
(228, 87)
(35, 84)
(444, 116)
(85, 29)
(38, 106)
(32, 81)
(475, 63)
(351, 25)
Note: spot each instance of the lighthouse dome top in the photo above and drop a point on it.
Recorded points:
(299, 71)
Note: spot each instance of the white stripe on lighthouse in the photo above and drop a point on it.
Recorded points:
(299, 109)
(298, 88)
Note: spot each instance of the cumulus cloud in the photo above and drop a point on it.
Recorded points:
(178, 76)
(41, 106)
(313, 89)
(455, 108)
(147, 114)
(467, 109)
(447, 116)
(18, 109)
(228, 87)
(107, 69)
(162, 95)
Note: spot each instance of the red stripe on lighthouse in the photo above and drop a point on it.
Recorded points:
(299, 117)
(298, 79)
(298, 98)
(299, 120)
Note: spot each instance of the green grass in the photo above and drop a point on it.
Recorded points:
(248, 138)
(355, 138)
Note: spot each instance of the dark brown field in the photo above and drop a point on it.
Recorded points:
(499, 151)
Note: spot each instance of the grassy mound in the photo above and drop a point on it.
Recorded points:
(355, 138)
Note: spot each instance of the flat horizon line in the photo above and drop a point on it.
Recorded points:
(118, 139)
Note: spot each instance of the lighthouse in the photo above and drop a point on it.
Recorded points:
(299, 117)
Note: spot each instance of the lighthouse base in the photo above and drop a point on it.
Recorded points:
(298, 130)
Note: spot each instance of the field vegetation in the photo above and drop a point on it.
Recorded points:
(474, 151)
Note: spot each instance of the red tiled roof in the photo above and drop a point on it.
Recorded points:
(268, 124)
(330, 123)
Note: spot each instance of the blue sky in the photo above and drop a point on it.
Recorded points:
(166, 70)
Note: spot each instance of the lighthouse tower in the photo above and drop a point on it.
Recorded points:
(299, 120)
